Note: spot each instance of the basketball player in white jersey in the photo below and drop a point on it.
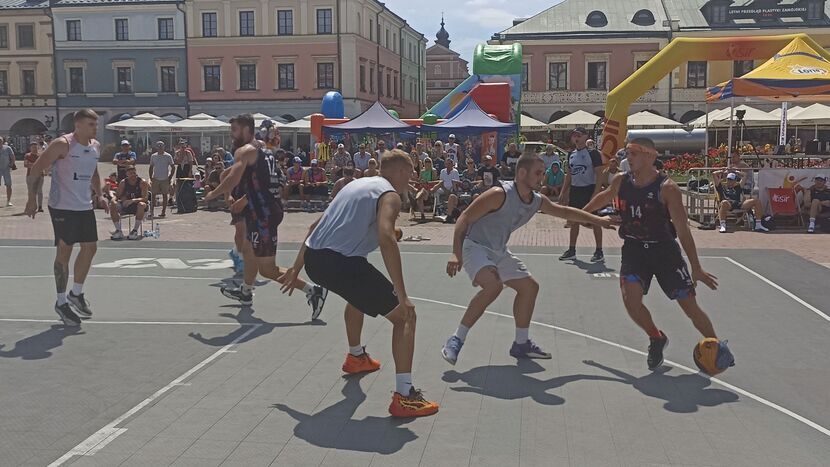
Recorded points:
(480, 246)
(73, 196)
(361, 219)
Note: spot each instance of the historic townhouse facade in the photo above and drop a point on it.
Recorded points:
(120, 58)
(280, 57)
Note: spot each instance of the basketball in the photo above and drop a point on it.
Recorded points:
(398, 233)
(712, 356)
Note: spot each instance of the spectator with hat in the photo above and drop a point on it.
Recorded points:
(732, 198)
(294, 183)
(582, 182)
(488, 173)
(339, 159)
(315, 183)
(124, 159)
(817, 200)
(451, 149)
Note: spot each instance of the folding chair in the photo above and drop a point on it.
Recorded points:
(783, 204)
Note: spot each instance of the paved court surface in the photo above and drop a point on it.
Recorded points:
(171, 373)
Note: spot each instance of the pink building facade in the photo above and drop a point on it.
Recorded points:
(280, 57)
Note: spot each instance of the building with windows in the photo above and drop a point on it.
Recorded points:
(578, 50)
(119, 61)
(27, 90)
(280, 59)
(445, 67)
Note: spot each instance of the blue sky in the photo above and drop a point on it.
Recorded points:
(469, 22)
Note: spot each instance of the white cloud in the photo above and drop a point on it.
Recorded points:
(484, 3)
(495, 18)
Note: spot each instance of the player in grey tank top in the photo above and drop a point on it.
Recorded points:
(480, 247)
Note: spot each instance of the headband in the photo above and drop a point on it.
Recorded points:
(640, 148)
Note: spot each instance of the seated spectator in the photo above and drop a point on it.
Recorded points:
(438, 155)
(197, 181)
(416, 161)
(470, 186)
(488, 173)
(449, 188)
(361, 160)
(294, 183)
(372, 171)
(315, 183)
(426, 178)
(214, 176)
(111, 185)
(339, 160)
(550, 156)
(732, 199)
(130, 198)
(611, 169)
(554, 179)
(511, 158)
(817, 200)
(348, 177)
(225, 156)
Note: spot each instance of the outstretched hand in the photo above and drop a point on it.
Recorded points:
(287, 281)
(710, 280)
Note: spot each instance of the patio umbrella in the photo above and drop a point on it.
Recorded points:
(528, 124)
(647, 119)
(201, 123)
(142, 122)
(578, 118)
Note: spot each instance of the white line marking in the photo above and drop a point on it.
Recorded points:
(115, 276)
(162, 323)
(731, 387)
(781, 289)
(109, 432)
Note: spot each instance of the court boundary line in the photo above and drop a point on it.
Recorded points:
(110, 431)
(145, 323)
(755, 397)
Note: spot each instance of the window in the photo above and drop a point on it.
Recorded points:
(73, 29)
(4, 37)
(213, 77)
(558, 76)
(28, 82)
(720, 14)
(597, 76)
(324, 21)
(25, 36)
(246, 23)
(168, 79)
(371, 30)
(387, 39)
(380, 83)
(125, 79)
(395, 86)
(286, 76)
(165, 29)
(247, 77)
(325, 75)
(363, 78)
(742, 67)
(388, 85)
(596, 19)
(122, 30)
(696, 75)
(815, 10)
(209, 25)
(285, 22)
(394, 43)
(372, 80)
(4, 83)
(643, 18)
(524, 76)
(76, 80)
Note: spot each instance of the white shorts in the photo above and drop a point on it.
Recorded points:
(477, 257)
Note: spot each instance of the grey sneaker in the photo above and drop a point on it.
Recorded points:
(316, 298)
(245, 299)
(80, 304)
(528, 350)
(134, 235)
(117, 235)
(66, 314)
(451, 349)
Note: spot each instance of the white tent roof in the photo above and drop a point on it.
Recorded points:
(200, 122)
(791, 112)
(578, 118)
(142, 122)
(531, 124)
(816, 114)
(647, 119)
(752, 118)
(302, 125)
(260, 117)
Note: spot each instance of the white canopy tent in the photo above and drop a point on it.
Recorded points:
(302, 125)
(816, 115)
(752, 118)
(141, 122)
(202, 123)
(578, 118)
(261, 117)
(528, 124)
(791, 112)
(646, 119)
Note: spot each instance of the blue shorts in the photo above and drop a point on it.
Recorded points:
(6, 176)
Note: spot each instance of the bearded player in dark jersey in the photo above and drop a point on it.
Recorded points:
(653, 216)
(257, 177)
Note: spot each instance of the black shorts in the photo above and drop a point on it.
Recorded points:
(74, 226)
(580, 196)
(262, 233)
(125, 210)
(642, 261)
(316, 190)
(354, 279)
(238, 217)
(294, 190)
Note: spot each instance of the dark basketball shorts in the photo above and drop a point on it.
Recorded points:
(73, 226)
(316, 190)
(239, 217)
(125, 210)
(262, 233)
(354, 279)
(580, 196)
(643, 261)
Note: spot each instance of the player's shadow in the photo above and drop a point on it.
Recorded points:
(334, 427)
(39, 346)
(246, 320)
(512, 382)
(592, 268)
(235, 281)
(683, 393)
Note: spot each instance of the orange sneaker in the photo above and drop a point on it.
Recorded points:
(360, 364)
(413, 405)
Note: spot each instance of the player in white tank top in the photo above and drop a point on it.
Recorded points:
(480, 246)
(75, 192)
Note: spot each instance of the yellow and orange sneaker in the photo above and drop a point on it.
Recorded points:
(363, 363)
(413, 405)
